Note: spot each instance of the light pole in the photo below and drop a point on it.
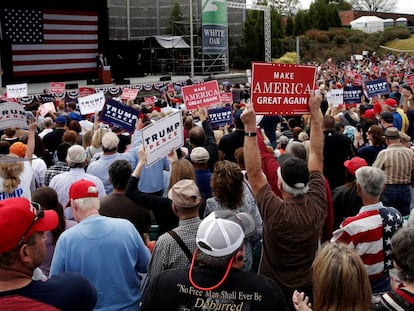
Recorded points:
(191, 40)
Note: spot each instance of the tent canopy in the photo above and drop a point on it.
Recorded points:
(171, 42)
(368, 24)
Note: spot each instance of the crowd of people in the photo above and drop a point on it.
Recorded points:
(269, 213)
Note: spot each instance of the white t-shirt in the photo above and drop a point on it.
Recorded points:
(23, 189)
(39, 171)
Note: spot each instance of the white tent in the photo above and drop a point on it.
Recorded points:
(368, 24)
(172, 42)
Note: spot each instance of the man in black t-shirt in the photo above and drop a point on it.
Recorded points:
(22, 249)
(215, 280)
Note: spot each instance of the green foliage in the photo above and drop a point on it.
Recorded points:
(176, 16)
(289, 30)
(300, 23)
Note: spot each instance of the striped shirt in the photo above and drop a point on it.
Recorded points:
(397, 161)
(365, 234)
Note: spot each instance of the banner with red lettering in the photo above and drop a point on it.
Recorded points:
(201, 95)
(57, 87)
(282, 89)
(128, 93)
(161, 137)
(85, 91)
(226, 97)
(45, 108)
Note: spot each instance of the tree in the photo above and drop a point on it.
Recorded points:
(285, 7)
(343, 5)
(301, 23)
(176, 26)
(324, 14)
(289, 30)
(374, 5)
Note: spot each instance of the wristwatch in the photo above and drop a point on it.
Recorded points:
(250, 134)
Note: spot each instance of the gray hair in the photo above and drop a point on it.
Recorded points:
(47, 122)
(371, 180)
(88, 203)
(402, 245)
(297, 149)
(210, 261)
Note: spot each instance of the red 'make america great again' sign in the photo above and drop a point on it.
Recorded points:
(282, 89)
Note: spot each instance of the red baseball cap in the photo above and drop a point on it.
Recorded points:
(369, 114)
(391, 102)
(18, 215)
(83, 189)
(377, 107)
(354, 164)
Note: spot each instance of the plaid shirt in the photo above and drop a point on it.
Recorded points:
(168, 254)
(59, 167)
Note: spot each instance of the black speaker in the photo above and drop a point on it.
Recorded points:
(71, 86)
(122, 81)
(165, 78)
(93, 81)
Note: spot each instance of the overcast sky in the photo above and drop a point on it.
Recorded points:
(403, 6)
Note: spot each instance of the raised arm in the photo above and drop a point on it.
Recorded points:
(31, 140)
(252, 158)
(315, 162)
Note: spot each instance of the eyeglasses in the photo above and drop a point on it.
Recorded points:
(38, 212)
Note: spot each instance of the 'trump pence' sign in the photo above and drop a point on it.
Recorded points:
(119, 114)
(280, 89)
(91, 103)
(16, 90)
(336, 97)
(163, 136)
(12, 115)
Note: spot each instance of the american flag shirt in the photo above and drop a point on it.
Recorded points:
(369, 233)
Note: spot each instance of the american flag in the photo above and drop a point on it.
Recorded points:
(51, 42)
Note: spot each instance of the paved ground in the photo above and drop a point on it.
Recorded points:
(240, 77)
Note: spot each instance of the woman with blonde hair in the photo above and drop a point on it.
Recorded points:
(16, 175)
(230, 191)
(96, 143)
(340, 282)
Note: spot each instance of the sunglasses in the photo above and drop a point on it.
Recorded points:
(38, 212)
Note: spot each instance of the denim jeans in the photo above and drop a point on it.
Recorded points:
(397, 196)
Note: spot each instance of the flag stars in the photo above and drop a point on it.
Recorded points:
(388, 241)
(390, 217)
(388, 228)
(389, 264)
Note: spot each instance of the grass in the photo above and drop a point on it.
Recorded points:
(402, 44)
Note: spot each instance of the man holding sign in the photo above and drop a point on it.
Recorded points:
(292, 225)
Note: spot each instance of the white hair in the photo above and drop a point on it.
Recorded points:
(293, 191)
(87, 203)
(110, 141)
